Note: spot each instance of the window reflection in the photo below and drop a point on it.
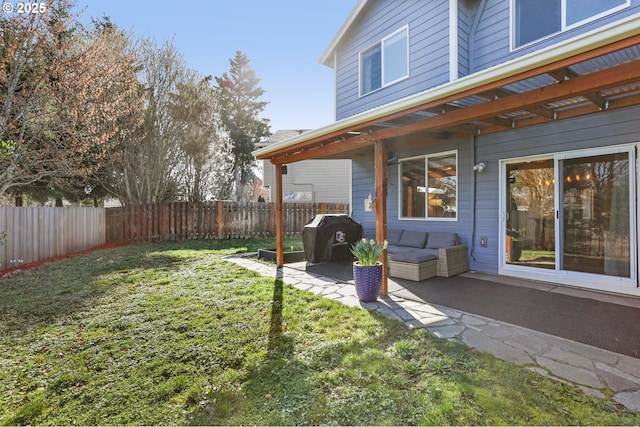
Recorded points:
(429, 187)
(595, 214)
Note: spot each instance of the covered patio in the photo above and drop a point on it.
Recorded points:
(589, 347)
(599, 73)
(596, 319)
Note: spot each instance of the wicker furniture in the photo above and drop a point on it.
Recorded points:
(452, 260)
(419, 255)
(416, 269)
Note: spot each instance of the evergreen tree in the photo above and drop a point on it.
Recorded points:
(240, 108)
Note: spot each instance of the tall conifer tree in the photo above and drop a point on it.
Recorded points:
(240, 109)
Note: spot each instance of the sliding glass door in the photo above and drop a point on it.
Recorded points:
(595, 218)
(572, 215)
(530, 214)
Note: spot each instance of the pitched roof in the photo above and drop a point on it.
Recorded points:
(281, 135)
(327, 56)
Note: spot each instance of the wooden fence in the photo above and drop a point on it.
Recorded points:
(35, 234)
(210, 220)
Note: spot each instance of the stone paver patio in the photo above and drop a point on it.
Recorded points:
(592, 369)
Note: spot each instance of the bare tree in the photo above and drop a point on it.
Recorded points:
(145, 169)
(101, 100)
(62, 93)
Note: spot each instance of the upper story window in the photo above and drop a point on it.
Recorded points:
(385, 62)
(536, 19)
(429, 186)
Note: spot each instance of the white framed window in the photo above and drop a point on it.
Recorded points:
(570, 217)
(385, 63)
(429, 187)
(533, 20)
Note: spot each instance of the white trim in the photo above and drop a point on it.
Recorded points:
(426, 158)
(325, 58)
(335, 86)
(563, 20)
(502, 203)
(599, 37)
(453, 40)
(381, 42)
(350, 187)
(626, 285)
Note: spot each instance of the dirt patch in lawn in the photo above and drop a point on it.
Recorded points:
(35, 264)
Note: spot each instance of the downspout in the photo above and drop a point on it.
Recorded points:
(472, 244)
(472, 33)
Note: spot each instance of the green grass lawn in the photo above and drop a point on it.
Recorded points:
(171, 334)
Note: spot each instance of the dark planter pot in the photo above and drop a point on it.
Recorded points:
(368, 281)
(270, 255)
(516, 250)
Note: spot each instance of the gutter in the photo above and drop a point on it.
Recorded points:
(599, 37)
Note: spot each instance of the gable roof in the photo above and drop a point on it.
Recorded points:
(327, 56)
(281, 135)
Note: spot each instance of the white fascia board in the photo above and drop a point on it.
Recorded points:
(594, 39)
(327, 56)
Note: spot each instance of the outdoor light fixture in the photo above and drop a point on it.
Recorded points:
(284, 169)
(479, 167)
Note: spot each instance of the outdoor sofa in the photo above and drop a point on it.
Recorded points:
(419, 255)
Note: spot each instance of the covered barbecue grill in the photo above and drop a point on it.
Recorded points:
(328, 237)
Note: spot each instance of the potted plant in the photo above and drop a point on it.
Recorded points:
(515, 245)
(367, 270)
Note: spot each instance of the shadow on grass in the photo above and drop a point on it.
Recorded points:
(279, 345)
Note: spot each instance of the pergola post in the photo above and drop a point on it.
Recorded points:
(380, 151)
(279, 219)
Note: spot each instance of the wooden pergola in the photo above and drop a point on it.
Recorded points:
(601, 78)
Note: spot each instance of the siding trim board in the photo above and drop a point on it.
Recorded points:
(453, 40)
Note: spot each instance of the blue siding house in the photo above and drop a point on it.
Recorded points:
(514, 123)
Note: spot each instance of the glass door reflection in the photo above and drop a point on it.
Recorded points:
(530, 224)
(595, 216)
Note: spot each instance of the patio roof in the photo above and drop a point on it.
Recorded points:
(594, 72)
(597, 72)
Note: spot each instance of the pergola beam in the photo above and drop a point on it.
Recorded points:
(493, 90)
(594, 82)
(563, 74)
(597, 100)
(327, 150)
(381, 207)
(279, 219)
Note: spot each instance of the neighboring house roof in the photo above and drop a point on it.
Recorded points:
(281, 135)
(463, 104)
(327, 56)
